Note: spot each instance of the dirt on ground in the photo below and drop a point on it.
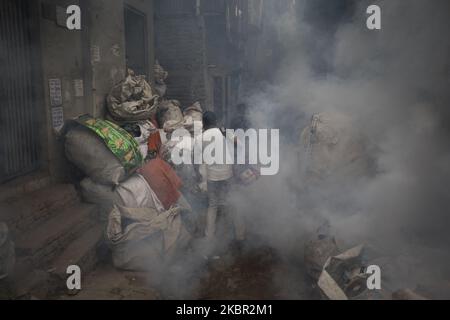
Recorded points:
(255, 274)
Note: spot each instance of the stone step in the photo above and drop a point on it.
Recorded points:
(49, 280)
(26, 212)
(83, 252)
(50, 238)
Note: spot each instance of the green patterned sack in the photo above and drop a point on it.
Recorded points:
(120, 142)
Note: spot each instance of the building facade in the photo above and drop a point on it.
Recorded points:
(52, 74)
(201, 43)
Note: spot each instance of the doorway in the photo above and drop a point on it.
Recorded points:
(20, 149)
(136, 41)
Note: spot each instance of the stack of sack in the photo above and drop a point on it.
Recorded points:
(152, 232)
(132, 99)
(142, 238)
(170, 115)
(133, 195)
(172, 119)
(102, 150)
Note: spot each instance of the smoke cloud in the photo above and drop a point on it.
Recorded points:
(392, 85)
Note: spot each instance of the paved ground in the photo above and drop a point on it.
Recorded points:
(254, 275)
(107, 283)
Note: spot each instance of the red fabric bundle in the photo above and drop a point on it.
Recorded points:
(154, 142)
(163, 180)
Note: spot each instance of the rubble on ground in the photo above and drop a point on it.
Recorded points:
(317, 251)
(337, 274)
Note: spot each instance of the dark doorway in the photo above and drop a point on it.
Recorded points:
(19, 112)
(136, 41)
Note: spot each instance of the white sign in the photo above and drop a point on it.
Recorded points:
(95, 54)
(57, 117)
(78, 87)
(54, 86)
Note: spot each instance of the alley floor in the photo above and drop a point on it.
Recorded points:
(254, 275)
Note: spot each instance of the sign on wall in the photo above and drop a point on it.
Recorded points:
(55, 92)
(78, 87)
(57, 117)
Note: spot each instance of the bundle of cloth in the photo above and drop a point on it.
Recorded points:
(140, 199)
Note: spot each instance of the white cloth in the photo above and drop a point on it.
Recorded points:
(216, 171)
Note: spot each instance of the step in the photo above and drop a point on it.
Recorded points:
(34, 284)
(50, 238)
(25, 212)
(81, 252)
(48, 280)
(26, 280)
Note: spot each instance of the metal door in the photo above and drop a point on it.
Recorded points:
(136, 41)
(19, 136)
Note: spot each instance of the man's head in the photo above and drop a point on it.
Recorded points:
(209, 120)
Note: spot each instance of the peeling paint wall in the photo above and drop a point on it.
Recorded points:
(87, 63)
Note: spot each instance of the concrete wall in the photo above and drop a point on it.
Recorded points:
(106, 47)
(66, 55)
(62, 58)
(107, 36)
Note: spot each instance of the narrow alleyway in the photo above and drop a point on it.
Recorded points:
(224, 149)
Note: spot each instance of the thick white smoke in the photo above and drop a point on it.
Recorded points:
(394, 85)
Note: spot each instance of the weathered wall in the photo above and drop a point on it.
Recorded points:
(96, 54)
(106, 47)
(62, 58)
(107, 36)
(67, 55)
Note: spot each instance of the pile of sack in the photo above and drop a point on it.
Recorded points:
(134, 195)
(171, 118)
(102, 150)
(128, 171)
(132, 99)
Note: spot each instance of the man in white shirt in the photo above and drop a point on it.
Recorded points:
(219, 173)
